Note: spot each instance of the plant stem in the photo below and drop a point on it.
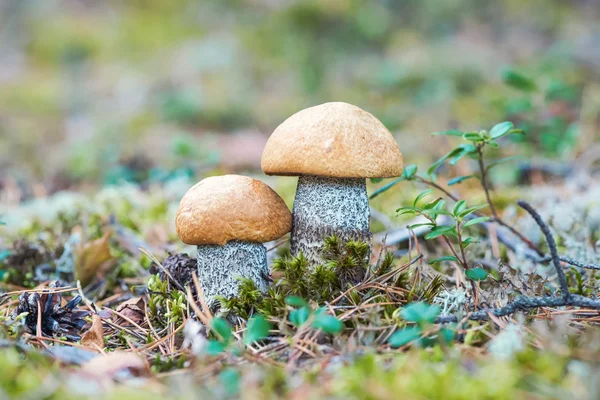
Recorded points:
(464, 262)
(496, 218)
(484, 182)
(461, 262)
(460, 245)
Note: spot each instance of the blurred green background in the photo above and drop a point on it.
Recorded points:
(96, 92)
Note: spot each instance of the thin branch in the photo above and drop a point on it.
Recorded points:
(438, 187)
(460, 244)
(496, 217)
(564, 287)
(574, 262)
(525, 302)
(483, 181)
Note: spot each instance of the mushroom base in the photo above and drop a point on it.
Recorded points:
(220, 266)
(326, 206)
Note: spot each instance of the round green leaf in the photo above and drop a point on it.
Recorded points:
(258, 328)
(298, 317)
(474, 221)
(518, 81)
(404, 336)
(439, 231)
(476, 274)
(420, 312)
(501, 129)
(222, 329)
(214, 347)
(447, 335)
(295, 301)
(327, 323)
(409, 171)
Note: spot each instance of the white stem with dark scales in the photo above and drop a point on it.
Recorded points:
(325, 206)
(220, 266)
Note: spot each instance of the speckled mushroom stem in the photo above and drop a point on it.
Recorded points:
(220, 266)
(325, 206)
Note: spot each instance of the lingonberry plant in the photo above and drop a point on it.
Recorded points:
(474, 146)
(454, 234)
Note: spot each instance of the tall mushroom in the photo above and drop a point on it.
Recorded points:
(228, 218)
(332, 147)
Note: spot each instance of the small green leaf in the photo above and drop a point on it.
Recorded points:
(432, 204)
(476, 274)
(473, 137)
(404, 336)
(327, 323)
(407, 174)
(474, 221)
(445, 258)
(439, 162)
(420, 196)
(468, 241)
(501, 129)
(222, 329)
(420, 312)
(440, 206)
(459, 206)
(451, 132)
(423, 224)
(258, 328)
(439, 231)
(214, 347)
(296, 301)
(463, 150)
(459, 179)
(386, 187)
(470, 210)
(300, 316)
(406, 211)
(518, 81)
(409, 171)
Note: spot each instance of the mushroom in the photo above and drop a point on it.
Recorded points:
(228, 218)
(332, 147)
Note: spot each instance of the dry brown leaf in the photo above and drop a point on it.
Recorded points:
(90, 256)
(133, 309)
(94, 337)
(118, 364)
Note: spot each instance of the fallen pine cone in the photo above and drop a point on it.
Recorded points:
(180, 266)
(57, 320)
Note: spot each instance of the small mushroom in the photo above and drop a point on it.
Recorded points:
(332, 147)
(228, 218)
